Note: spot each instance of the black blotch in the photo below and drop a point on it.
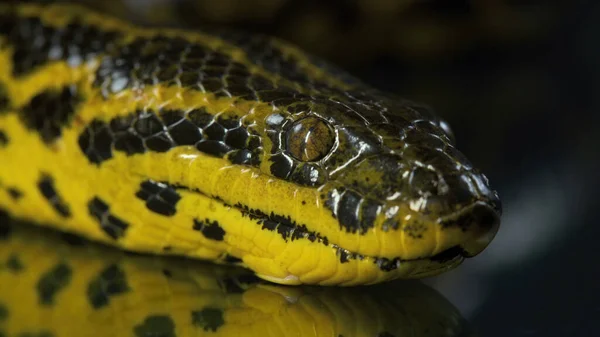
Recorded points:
(347, 211)
(112, 281)
(14, 193)
(213, 147)
(242, 157)
(237, 137)
(160, 198)
(231, 286)
(281, 165)
(386, 264)
(50, 111)
(209, 319)
(231, 259)
(215, 132)
(46, 187)
(110, 224)
(72, 239)
(14, 264)
(3, 138)
(200, 117)
(4, 100)
(167, 273)
(96, 142)
(52, 282)
(129, 143)
(210, 229)
(3, 312)
(155, 326)
(343, 254)
(368, 212)
(5, 225)
(285, 226)
(36, 44)
(181, 130)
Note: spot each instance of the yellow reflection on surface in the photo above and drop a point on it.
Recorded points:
(57, 285)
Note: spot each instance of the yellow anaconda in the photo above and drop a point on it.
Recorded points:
(54, 285)
(230, 148)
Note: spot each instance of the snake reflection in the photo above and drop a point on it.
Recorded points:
(56, 285)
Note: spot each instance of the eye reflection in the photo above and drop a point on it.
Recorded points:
(310, 139)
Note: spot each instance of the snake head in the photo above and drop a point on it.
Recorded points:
(391, 183)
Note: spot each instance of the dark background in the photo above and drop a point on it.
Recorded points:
(518, 82)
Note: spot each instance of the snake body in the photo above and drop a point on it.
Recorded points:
(227, 147)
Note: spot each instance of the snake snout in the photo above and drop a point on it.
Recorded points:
(475, 209)
(483, 221)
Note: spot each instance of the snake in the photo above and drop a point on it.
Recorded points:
(227, 147)
(54, 284)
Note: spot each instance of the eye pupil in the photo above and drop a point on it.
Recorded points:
(310, 139)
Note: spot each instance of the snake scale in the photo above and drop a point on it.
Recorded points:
(234, 148)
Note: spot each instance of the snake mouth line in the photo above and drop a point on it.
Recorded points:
(290, 230)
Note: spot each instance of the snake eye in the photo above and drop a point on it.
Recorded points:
(310, 139)
(447, 130)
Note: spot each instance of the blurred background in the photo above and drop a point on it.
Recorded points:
(518, 81)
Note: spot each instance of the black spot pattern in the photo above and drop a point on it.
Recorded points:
(14, 264)
(3, 138)
(265, 53)
(5, 225)
(231, 259)
(3, 312)
(175, 61)
(4, 99)
(46, 187)
(36, 44)
(53, 282)
(155, 326)
(159, 132)
(72, 239)
(209, 319)
(284, 226)
(160, 198)
(14, 193)
(48, 112)
(112, 281)
(210, 229)
(110, 224)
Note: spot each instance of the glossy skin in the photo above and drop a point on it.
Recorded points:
(65, 286)
(228, 148)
